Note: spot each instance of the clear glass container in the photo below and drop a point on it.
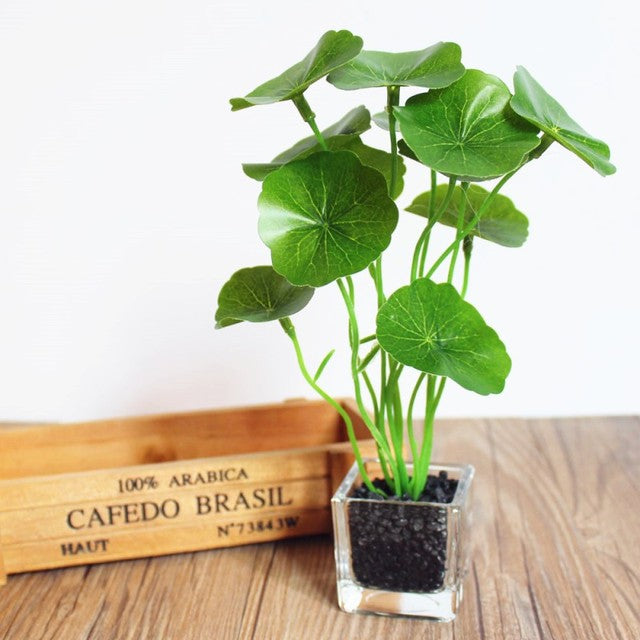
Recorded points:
(401, 557)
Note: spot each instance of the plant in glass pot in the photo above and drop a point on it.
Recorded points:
(327, 211)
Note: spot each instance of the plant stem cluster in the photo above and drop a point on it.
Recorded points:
(387, 424)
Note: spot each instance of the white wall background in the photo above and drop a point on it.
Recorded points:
(124, 207)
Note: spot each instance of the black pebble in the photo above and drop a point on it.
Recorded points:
(398, 547)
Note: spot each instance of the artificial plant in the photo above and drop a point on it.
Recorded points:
(327, 211)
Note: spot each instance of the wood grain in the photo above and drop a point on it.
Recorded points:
(124, 442)
(556, 557)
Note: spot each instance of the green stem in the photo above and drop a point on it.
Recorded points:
(434, 188)
(427, 230)
(364, 363)
(413, 443)
(323, 364)
(354, 340)
(380, 423)
(467, 247)
(310, 118)
(443, 381)
(472, 224)
(422, 240)
(393, 99)
(396, 427)
(372, 393)
(289, 329)
(461, 209)
(421, 467)
(376, 412)
(424, 249)
(432, 211)
(377, 279)
(545, 143)
(433, 400)
(420, 471)
(388, 478)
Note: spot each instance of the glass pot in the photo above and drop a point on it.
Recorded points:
(402, 557)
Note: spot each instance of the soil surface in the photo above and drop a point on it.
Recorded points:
(397, 544)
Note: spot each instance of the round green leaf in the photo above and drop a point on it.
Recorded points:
(324, 217)
(259, 294)
(378, 160)
(467, 129)
(533, 103)
(435, 67)
(501, 222)
(342, 135)
(369, 156)
(428, 326)
(355, 122)
(259, 170)
(333, 49)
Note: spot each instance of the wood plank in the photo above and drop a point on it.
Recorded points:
(556, 557)
(171, 478)
(50, 449)
(221, 471)
(165, 540)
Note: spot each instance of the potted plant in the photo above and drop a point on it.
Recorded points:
(326, 212)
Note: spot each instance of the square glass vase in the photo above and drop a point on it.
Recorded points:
(401, 557)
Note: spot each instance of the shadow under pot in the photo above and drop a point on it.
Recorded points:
(397, 556)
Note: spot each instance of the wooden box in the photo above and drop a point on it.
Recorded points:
(128, 488)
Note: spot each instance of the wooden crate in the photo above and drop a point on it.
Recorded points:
(134, 487)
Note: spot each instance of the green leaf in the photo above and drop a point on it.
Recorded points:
(381, 119)
(428, 326)
(333, 49)
(324, 217)
(373, 352)
(435, 67)
(342, 135)
(337, 136)
(259, 294)
(379, 160)
(369, 156)
(355, 122)
(501, 222)
(468, 129)
(323, 364)
(534, 104)
(259, 170)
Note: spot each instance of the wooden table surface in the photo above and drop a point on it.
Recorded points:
(557, 555)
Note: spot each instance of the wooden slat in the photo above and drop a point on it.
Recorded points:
(52, 449)
(102, 518)
(172, 477)
(293, 464)
(122, 544)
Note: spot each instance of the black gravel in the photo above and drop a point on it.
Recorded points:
(397, 546)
